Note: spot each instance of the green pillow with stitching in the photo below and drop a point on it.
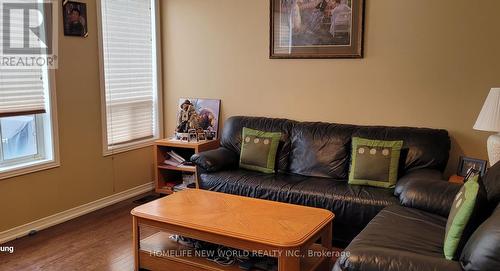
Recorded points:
(258, 150)
(374, 162)
(460, 214)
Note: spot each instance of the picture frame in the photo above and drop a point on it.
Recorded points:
(183, 137)
(75, 19)
(193, 136)
(211, 135)
(202, 136)
(466, 163)
(200, 115)
(470, 173)
(316, 29)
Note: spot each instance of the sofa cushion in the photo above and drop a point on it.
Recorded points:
(354, 205)
(323, 149)
(483, 247)
(258, 150)
(233, 127)
(492, 184)
(374, 162)
(399, 239)
(460, 214)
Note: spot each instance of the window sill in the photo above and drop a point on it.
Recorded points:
(26, 168)
(129, 147)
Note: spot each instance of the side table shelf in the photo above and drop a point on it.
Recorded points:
(166, 176)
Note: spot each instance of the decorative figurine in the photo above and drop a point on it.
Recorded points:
(187, 118)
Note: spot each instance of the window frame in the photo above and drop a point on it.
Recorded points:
(40, 145)
(108, 150)
(23, 165)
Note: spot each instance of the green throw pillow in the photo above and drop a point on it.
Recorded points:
(374, 162)
(258, 150)
(460, 214)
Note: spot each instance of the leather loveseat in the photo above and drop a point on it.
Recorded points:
(313, 164)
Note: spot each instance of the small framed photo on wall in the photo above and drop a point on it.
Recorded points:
(466, 163)
(75, 19)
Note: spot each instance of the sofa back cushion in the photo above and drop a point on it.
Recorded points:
(323, 149)
(483, 247)
(233, 127)
(492, 184)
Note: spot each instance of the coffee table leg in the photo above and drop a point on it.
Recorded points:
(135, 240)
(326, 242)
(288, 263)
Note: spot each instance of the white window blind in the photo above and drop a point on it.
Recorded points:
(21, 90)
(129, 63)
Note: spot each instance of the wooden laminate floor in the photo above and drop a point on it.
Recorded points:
(101, 240)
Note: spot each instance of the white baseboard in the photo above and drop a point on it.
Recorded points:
(64, 216)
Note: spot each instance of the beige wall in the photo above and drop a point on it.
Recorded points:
(85, 175)
(427, 63)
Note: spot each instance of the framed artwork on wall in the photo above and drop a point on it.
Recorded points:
(75, 19)
(316, 28)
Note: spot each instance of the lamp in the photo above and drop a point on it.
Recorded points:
(489, 120)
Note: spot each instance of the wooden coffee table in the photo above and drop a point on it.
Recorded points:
(285, 231)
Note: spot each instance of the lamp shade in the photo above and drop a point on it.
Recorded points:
(489, 117)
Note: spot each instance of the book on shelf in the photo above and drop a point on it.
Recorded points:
(189, 165)
(188, 178)
(171, 163)
(169, 186)
(183, 186)
(179, 165)
(188, 181)
(176, 157)
(179, 187)
(176, 160)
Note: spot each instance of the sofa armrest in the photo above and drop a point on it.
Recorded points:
(426, 190)
(215, 160)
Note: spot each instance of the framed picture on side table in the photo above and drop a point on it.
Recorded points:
(467, 163)
(198, 115)
(316, 28)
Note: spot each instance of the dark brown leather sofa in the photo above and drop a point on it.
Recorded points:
(393, 229)
(313, 165)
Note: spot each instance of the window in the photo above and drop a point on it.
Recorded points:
(129, 72)
(26, 132)
(27, 135)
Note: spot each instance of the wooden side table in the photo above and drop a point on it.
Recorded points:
(456, 179)
(166, 176)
